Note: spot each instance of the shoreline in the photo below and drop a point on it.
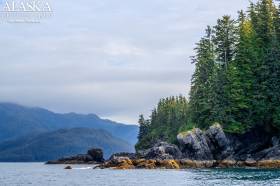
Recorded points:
(183, 165)
(189, 164)
(124, 163)
(197, 149)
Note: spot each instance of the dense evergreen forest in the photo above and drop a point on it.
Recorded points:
(236, 81)
(164, 123)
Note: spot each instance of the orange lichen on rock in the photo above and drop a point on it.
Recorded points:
(168, 164)
(145, 164)
(196, 164)
(269, 164)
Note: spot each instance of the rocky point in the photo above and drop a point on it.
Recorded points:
(196, 149)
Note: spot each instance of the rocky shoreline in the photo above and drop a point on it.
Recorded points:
(212, 148)
(126, 163)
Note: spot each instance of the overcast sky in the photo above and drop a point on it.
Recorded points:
(115, 58)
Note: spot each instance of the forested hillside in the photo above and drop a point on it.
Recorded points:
(164, 123)
(237, 78)
(236, 81)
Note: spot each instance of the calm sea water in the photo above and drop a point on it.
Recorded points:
(39, 174)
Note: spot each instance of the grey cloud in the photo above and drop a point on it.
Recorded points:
(112, 58)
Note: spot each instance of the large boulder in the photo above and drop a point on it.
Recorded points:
(93, 156)
(194, 145)
(256, 144)
(118, 162)
(272, 153)
(78, 159)
(68, 167)
(213, 144)
(96, 155)
(162, 151)
(123, 154)
(126, 163)
(219, 144)
(145, 164)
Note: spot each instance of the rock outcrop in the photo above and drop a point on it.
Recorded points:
(215, 144)
(196, 149)
(124, 154)
(126, 163)
(208, 149)
(194, 145)
(96, 155)
(118, 163)
(209, 145)
(68, 167)
(93, 156)
(219, 144)
(162, 151)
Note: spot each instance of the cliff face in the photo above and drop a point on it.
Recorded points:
(214, 144)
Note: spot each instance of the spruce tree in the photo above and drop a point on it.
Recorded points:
(241, 79)
(143, 127)
(267, 68)
(236, 80)
(165, 122)
(200, 100)
(224, 39)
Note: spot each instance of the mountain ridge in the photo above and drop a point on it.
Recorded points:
(26, 120)
(60, 143)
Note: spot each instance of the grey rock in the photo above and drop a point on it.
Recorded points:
(119, 159)
(275, 141)
(162, 151)
(194, 145)
(80, 157)
(218, 142)
(217, 136)
(92, 156)
(68, 167)
(123, 154)
(272, 153)
(96, 155)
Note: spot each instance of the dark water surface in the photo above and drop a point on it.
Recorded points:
(39, 174)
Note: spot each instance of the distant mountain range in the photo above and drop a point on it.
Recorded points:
(36, 134)
(61, 143)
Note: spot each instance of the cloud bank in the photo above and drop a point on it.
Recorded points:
(112, 58)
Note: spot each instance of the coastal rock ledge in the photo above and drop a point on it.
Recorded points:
(93, 156)
(196, 149)
(126, 163)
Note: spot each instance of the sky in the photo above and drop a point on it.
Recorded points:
(112, 58)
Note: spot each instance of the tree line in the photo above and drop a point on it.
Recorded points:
(237, 77)
(164, 123)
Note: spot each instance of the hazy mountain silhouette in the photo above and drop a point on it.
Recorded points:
(17, 121)
(60, 143)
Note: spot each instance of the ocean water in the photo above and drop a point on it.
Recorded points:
(38, 174)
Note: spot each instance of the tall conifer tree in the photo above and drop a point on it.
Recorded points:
(200, 100)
